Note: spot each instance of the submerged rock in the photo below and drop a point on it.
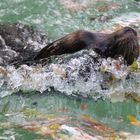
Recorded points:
(19, 42)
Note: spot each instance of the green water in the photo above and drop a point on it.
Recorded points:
(51, 17)
(113, 115)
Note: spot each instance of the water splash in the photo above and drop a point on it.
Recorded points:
(83, 74)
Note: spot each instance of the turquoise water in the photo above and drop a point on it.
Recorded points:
(52, 17)
(113, 115)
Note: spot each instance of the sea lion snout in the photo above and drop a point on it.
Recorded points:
(129, 29)
(126, 33)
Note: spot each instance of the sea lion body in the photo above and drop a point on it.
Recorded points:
(20, 43)
(123, 42)
(74, 42)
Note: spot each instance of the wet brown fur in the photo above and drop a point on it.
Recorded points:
(123, 42)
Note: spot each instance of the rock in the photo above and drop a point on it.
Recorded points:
(19, 42)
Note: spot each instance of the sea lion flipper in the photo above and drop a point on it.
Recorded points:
(49, 50)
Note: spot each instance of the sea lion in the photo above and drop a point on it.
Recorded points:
(123, 42)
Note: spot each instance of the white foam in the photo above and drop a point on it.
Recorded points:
(70, 77)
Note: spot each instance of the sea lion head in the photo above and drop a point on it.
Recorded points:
(124, 42)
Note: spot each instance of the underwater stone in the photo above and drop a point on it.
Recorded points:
(23, 41)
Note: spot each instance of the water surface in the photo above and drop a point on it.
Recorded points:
(56, 19)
